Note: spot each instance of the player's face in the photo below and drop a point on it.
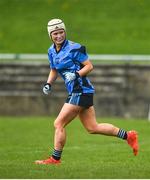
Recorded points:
(58, 36)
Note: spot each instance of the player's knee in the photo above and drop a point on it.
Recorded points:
(57, 125)
(91, 130)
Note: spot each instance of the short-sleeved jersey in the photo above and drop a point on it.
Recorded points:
(69, 59)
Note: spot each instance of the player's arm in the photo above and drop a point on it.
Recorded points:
(88, 67)
(51, 78)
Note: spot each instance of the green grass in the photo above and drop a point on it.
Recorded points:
(104, 26)
(26, 139)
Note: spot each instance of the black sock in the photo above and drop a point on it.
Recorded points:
(122, 134)
(56, 154)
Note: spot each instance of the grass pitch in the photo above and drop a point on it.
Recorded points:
(26, 139)
(104, 26)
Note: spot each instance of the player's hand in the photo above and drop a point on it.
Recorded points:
(71, 76)
(47, 88)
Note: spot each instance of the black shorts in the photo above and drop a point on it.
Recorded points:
(80, 99)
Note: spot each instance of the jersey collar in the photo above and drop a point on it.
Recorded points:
(62, 46)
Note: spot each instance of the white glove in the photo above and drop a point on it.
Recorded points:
(71, 76)
(47, 88)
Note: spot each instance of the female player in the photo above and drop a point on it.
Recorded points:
(70, 61)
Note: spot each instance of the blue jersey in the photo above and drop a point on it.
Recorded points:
(69, 59)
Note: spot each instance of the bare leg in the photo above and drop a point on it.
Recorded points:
(88, 119)
(66, 115)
